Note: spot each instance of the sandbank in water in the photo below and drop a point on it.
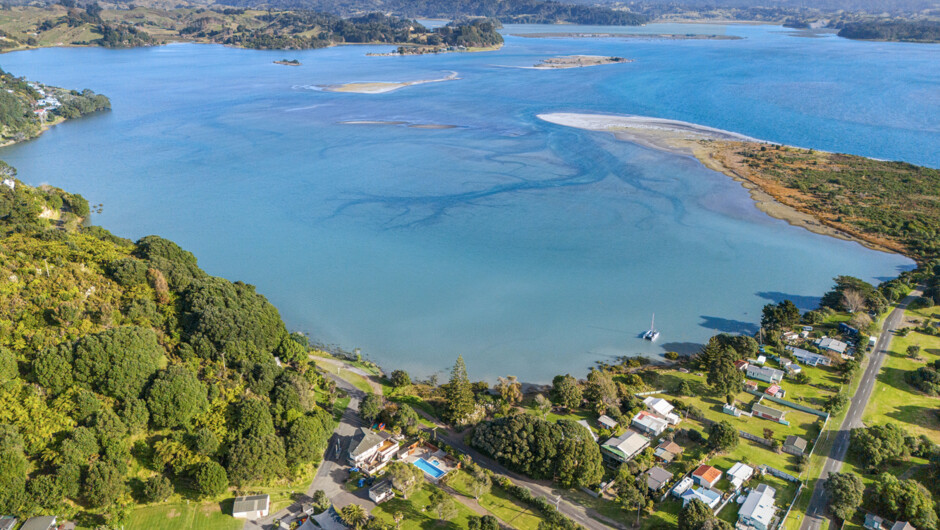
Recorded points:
(382, 87)
(714, 148)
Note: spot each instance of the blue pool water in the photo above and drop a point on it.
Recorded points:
(429, 468)
(530, 248)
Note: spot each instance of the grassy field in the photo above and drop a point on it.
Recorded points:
(208, 516)
(801, 423)
(499, 503)
(416, 513)
(895, 401)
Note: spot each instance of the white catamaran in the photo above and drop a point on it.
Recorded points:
(651, 334)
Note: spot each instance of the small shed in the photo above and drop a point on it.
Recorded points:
(607, 422)
(251, 506)
(794, 445)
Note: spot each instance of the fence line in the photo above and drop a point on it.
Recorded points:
(797, 406)
(792, 504)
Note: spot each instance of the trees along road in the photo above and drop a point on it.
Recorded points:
(816, 513)
(333, 472)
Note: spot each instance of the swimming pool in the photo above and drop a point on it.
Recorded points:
(429, 468)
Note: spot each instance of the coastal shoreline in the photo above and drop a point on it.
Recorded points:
(714, 149)
(42, 129)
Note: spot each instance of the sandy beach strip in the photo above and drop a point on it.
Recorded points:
(717, 150)
(381, 87)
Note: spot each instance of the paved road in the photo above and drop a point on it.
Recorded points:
(816, 513)
(333, 471)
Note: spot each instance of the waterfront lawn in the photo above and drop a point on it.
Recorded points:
(801, 423)
(893, 400)
(499, 503)
(417, 516)
(205, 516)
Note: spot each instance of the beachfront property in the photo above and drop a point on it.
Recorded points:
(706, 475)
(607, 422)
(661, 408)
(251, 506)
(625, 447)
(794, 445)
(757, 512)
(44, 522)
(767, 375)
(381, 491)
(667, 451)
(739, 474)
(648, 423)
(656, 478)
(10, 183)
(763, 411)
(709, 497)
(833, 345)
(370, 450)
(775, 391)
(809, 358)
(433, 461)
(682, 487)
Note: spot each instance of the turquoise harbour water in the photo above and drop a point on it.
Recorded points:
(530, 248)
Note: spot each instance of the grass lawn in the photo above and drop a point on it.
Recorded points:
(801, 423)
(416, 514)
(895, 401)
(172, 516)
(499, 503)
(665, 516)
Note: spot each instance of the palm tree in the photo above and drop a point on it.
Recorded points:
(353, 515)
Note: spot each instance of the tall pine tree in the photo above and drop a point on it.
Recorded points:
(458, 396)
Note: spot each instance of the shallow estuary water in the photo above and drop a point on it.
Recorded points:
(530, 248)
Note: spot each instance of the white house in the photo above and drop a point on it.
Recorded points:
(809, 358)
(10, 183)
(761, 373)
(661, 408)
(682, 487)
(833, 345)
(381, 492)
(370, 450)
(757, 512)
(709, 497)
(648, 423)
(251, 507)
(739, 474)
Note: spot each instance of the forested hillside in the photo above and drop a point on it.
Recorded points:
(893, 30)
(284, 29)
(128, 375)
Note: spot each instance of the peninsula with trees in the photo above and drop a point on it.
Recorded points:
(29, 108)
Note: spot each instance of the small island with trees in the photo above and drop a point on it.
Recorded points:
(288, 62)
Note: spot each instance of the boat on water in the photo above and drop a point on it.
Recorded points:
(651, 334)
